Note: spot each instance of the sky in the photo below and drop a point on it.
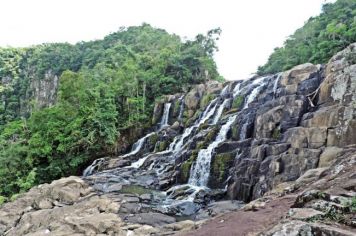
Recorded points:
(251, 29)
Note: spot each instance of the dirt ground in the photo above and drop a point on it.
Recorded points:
(243, 223)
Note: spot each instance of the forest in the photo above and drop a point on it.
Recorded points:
(318, 40)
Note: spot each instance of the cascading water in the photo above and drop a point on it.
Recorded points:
(275, 85)
(165, 116)
(237, 90)
(243, 131)
(255, 92)
(137, 164)
(208, 111)
(199, 175)
(224, 91)
(178, 142)
(220, 111)
(154, 169)
(181, 108)
(136, 147)
(89, 170)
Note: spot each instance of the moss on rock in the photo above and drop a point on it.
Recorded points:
(190, 121)
(161, 146)
(185, 167)
(176, 107)
(220, 166)
(209, 137)
(206, 99)
(276, 134)
(153, 139)
(238, 101)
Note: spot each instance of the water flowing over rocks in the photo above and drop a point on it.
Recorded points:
(288, 138)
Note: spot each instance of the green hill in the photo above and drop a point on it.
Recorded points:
(319, 39)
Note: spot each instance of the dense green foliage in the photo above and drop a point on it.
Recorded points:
(105, 87)
(318, 40)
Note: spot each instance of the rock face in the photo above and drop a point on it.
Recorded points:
(293, 133)
(315, 124)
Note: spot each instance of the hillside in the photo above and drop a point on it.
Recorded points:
(63, 105)
(318, 40)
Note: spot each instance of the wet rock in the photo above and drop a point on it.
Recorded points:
(180, 208)
(220, 166)
(175, 125)
(164, 184)
(146, 197)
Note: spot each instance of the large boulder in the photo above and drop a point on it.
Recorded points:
(192, 98)
(293, 79)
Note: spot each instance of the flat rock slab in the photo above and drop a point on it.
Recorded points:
(304, 213)
(153, 219)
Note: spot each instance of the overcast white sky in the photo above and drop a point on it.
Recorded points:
(251, 28)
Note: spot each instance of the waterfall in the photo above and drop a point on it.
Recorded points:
(137, 164)
(199, 174)
(181, 108)
(220, 111)
(178, 142)
(206, 111)
(243, 131)
(165, 116)
(224, 91)
(275, 85)
(237, 90)
(89, 170)
(136, 147)
(255, 92)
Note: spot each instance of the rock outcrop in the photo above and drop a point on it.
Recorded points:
(65, 207)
